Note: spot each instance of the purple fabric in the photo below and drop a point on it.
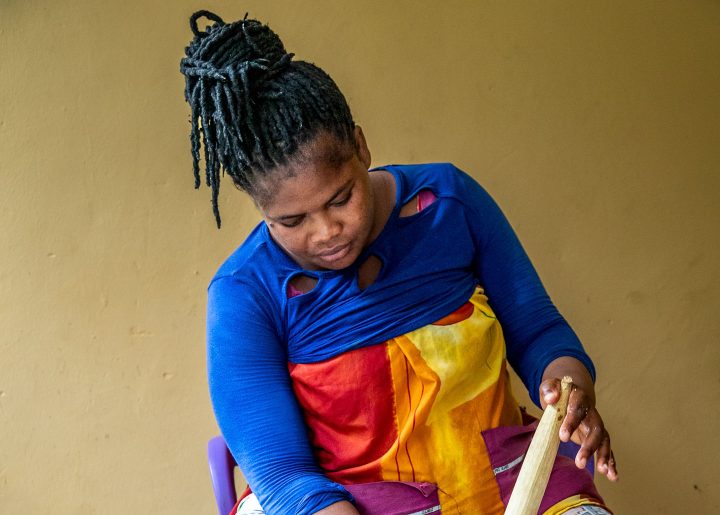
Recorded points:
(381, 498)
(507, 446)
(570, 450)
(394, 497)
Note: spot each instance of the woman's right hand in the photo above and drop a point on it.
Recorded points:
(583, 424)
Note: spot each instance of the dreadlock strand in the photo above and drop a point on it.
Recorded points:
(244, 25)
(232, 49)
(195, 147)
(233, 124)
(234, 149)
(207, 132)
(191, 93)
(214, 200)
(203, 14)
(284, 125)
(236, 94)
(208, 49)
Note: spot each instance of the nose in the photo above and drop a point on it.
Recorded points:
(326, 229)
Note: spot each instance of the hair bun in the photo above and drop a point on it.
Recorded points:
(261, 41)
(243, 40)
(243, 52)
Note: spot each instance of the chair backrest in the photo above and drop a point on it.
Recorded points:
(222, 464)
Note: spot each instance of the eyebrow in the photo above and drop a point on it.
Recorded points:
(340, 191)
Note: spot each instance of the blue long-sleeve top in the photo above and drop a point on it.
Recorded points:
(431, 263)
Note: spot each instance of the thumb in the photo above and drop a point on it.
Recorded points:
(549, 391)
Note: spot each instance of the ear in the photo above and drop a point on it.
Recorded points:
(362, 148)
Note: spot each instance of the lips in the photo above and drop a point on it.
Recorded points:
(335, 253)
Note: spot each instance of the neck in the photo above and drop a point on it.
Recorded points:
(383, 188)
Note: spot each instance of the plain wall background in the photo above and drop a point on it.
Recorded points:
(595, 125)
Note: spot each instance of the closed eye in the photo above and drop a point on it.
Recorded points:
(292, 222)
(342, 201)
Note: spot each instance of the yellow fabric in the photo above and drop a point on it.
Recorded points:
(573, 502)
(451, 383)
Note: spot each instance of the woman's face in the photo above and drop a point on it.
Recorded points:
(323, 213)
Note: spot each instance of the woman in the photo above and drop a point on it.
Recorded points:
(360, 332)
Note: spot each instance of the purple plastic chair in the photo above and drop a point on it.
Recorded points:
(222, 465)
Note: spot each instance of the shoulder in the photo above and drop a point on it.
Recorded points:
(257, 259)
(251, 277)
(418, 175)
(245, 256)
(445, 180)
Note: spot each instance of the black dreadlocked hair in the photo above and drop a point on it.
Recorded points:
(253, 105)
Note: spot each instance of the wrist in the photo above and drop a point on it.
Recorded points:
(569, 366)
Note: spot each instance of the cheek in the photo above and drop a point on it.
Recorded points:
(289, 240)
(360, 210)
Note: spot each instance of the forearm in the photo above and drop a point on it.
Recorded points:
(535, 332)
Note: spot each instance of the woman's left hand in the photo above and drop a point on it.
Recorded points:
(583, 424)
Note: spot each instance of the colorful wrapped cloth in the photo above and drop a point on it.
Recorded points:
(434, 405)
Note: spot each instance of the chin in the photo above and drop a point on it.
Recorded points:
(337, 265)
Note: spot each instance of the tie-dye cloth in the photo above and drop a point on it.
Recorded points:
(403, 379)
(426, 407)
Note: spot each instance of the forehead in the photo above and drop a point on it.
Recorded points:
(325, 149)
(318, 167)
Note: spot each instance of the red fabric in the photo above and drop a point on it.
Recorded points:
(348, 425)
(242, 496)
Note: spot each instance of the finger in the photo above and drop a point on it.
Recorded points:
(604, 456)
(594, 435)
(549, 391)
(612, 474)
(608, 466)
(606, 463)
(579, 406)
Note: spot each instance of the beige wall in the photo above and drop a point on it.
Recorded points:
(595, 124)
